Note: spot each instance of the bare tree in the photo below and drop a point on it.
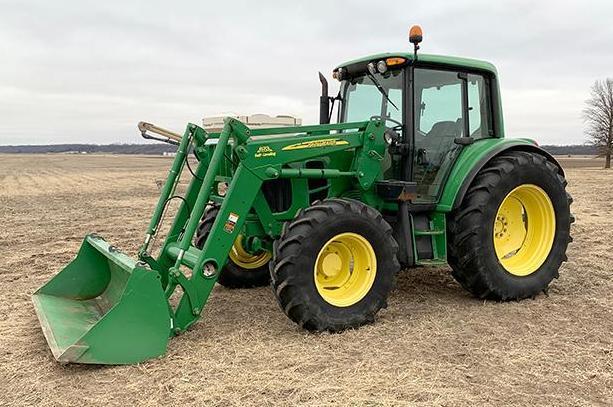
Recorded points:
(598, 116)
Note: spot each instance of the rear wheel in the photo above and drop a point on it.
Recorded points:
(243, 269)
(334, 265)
(509, 236)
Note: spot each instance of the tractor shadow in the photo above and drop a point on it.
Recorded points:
(423, 283)
(425, 291)
(420, 293)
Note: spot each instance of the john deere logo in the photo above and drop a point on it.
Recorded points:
(265, 151)
(316, 144)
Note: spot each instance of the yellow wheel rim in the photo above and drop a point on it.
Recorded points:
(345, 269)
(246, 260)
(524, 230)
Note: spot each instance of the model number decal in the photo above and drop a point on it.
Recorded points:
(265, 151)
(316, 144)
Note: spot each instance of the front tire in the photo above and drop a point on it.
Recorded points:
(334, 265)
(508, 238)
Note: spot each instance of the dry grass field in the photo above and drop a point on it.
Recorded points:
(434, 345)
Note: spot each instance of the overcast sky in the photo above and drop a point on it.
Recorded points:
(88, 71)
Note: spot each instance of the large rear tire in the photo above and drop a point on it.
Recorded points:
(243, 269)
(508, 238)
(334, 265)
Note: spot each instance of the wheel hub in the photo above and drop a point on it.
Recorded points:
(345, 269)
(246, 260)
(331, 265)
(500, 226)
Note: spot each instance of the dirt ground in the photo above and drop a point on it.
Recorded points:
(434, 345)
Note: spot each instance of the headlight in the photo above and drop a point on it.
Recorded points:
(382, 67)
(372, 68)
(388, 137)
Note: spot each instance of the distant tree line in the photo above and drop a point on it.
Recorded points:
(155, 149)
(159, 149)
(576, 149)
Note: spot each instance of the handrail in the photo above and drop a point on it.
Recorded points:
(144, 127)
(309, 129)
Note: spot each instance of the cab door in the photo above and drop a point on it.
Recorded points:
(448, 105)
(439, 119)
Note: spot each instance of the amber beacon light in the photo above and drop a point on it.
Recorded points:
(416, 36)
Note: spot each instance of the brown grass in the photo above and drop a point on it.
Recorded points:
(434, 345)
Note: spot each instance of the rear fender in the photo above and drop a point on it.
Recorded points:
(473, 158)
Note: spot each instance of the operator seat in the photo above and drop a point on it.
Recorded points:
(438, 140)
(435, 146)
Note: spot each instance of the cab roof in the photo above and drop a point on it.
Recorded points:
(452, 61)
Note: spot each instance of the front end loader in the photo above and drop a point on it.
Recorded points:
(107, 308)
(416, 172)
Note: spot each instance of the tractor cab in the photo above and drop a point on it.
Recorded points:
(431, 106)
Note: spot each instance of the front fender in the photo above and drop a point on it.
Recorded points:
(473, 158)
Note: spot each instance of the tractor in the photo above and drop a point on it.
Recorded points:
(415, 172)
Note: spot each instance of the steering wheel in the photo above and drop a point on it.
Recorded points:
(398, 125)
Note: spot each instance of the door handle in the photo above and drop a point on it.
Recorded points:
(422, 157)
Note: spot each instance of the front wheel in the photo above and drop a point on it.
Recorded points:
(334, 265)
(509, 236)
(243, 269)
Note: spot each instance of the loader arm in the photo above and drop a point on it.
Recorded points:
(262, 155)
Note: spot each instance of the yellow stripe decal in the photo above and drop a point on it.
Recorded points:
(316, 144)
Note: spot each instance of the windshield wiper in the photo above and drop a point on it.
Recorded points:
(383, 92)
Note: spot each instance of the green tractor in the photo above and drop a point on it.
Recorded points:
(416, 172)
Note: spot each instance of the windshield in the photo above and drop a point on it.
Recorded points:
(362, 99)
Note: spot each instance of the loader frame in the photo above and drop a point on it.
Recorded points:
(259, 156)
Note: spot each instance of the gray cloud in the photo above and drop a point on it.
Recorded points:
(81, 71)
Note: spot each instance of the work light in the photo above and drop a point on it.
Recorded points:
(372, 68)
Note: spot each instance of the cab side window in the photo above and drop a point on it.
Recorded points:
(479, 110)
(441, 103)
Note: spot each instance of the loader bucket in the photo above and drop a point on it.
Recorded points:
(104, 308)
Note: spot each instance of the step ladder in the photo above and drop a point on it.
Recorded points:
(437, 231)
